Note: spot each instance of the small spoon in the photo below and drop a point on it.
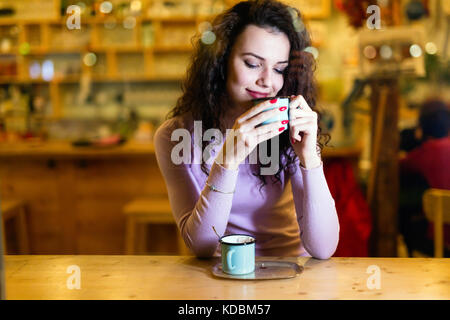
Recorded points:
(216, 232)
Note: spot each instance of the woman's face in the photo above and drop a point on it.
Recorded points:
(256, 64)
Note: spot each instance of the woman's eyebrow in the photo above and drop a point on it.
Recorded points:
(261, 58)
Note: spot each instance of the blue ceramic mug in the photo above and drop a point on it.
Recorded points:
(238, 254)
(282, 101)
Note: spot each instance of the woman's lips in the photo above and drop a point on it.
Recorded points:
(256, 94)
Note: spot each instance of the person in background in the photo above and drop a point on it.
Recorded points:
(258, 52)
(409, 139)
(425, 166)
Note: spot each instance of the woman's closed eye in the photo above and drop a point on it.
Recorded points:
(253, 66)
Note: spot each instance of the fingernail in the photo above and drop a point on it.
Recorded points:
(293, 140)
(284, 121)
(281, 129)
(283, 108)
(273, 101)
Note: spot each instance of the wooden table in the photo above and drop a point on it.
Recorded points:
(188, 278)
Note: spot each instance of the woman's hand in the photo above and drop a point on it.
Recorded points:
(303, 132)
(245, 134)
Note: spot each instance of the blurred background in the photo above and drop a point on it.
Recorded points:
(85, 84)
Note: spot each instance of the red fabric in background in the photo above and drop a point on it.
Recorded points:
(352, 208)
(432, 161)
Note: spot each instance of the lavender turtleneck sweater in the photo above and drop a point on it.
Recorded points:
(296, 217)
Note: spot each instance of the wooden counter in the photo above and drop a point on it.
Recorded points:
(187, 278)
(66, 149)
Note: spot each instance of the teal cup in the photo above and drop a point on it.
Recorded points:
(282, 101)
(238, 254)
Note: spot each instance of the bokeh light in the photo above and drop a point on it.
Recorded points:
(129, 22)
(386, 52)
(5, 45)
(296, 21)
(370, 52)
(106, 7)
(47, 70)
(208, 37)
(415, 51)
(24, 48)
(313, 51)
(298, 25)
(431, 48)
(90, 59)
(135, 5)
(35, 70)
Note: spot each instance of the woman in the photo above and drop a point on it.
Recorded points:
(258, 53)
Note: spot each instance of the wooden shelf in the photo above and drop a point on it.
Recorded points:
(136, 78)
(109, 48)
(141, 48)
(40, 32)
(94, 78)
(100, 20)
(178, 19)
(15, 21)
(172, 48)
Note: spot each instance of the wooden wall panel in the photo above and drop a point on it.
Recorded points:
(33, 181)
(75, 205)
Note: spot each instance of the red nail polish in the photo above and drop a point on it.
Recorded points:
(293, 140)
(281, 129)
(273, 101)
(283, 108)
(284, 121)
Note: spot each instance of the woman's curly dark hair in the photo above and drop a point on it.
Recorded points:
(204, 87)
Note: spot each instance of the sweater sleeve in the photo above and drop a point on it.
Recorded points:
(195, 207)
(316, 212)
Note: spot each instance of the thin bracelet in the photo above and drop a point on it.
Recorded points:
(213, 188)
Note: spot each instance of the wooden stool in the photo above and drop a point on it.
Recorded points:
(16, 209)
(145, 211)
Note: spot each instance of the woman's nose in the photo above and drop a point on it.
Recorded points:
(264, 79)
